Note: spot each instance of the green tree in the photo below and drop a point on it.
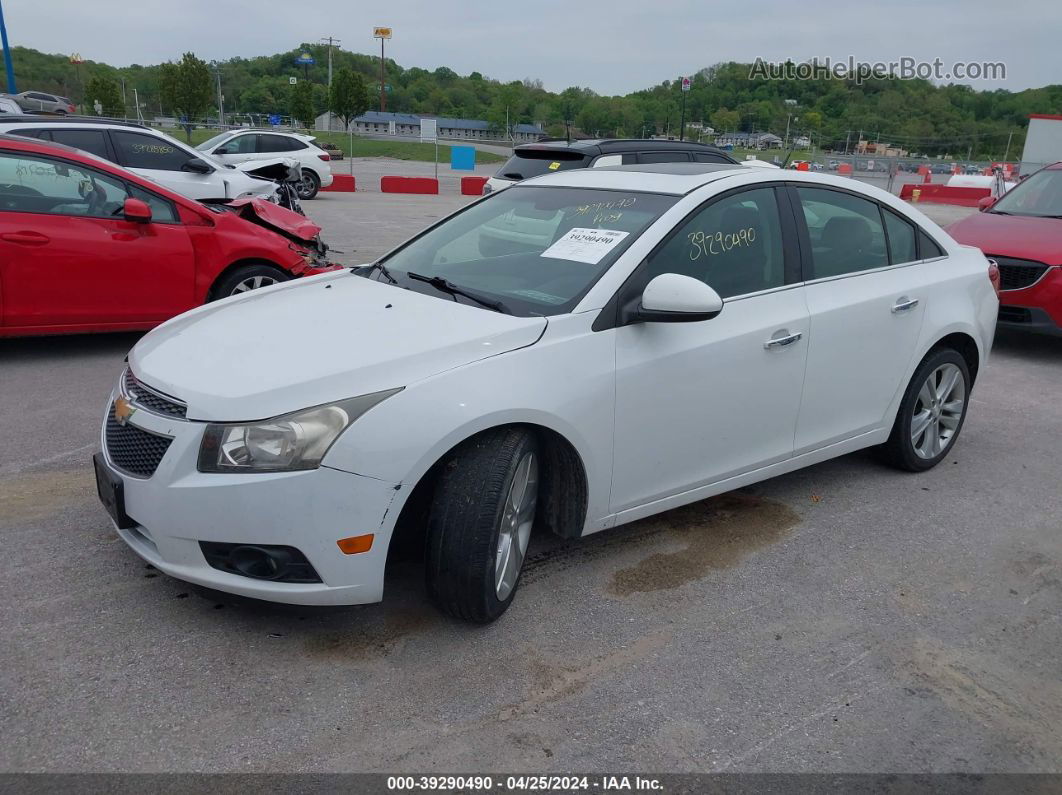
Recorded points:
(348, 96)
(302, 102)
(104, 91)
(186, 88)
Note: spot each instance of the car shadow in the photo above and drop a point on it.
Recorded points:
(1028, 347)
(42, 349)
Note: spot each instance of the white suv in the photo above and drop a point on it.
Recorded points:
(147, 152)
(240, 146)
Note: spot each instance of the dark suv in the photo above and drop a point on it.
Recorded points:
(532, 160)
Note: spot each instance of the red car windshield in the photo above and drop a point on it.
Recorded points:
(1040, 195)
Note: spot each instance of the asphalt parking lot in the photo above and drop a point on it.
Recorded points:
(844, 618)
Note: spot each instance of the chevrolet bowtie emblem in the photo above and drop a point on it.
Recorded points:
(123, 410)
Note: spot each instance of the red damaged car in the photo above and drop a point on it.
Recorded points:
(87, 246)
(1022, 232)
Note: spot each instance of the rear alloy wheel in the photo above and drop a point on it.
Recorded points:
(480, 524)
(308, 186)
(931, 414)
(249, 277)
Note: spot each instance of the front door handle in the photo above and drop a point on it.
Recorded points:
(25, 238)
(903, 304)
(781, 339)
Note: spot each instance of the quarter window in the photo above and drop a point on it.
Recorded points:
(928, 248)
(845, 230)
(137, 150)
(734, 245)
(901, 238)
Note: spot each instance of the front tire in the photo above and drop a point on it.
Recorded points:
(308, 186)
(931, 413)
(480, 522)
(248, 277)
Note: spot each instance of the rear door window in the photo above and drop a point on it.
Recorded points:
(94, 141)
(846, 232)
(274, 143)
(137, 150)
(535, 162)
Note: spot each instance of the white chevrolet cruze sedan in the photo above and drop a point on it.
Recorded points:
(648, 336)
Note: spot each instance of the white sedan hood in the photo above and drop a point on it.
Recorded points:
(314, 341)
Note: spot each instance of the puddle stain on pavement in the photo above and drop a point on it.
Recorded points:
(381, 638)
(36, 495)
(718, 534)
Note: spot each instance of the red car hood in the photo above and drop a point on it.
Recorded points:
(1017, 236)
(289, 223)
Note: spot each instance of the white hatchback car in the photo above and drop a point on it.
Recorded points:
(147, 152)
(685, 330)
(241, 146)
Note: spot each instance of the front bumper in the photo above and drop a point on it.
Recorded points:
(177, 507)
(1037, 308)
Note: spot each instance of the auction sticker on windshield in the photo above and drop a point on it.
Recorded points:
(585, 245)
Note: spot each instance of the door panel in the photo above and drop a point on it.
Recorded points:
(865, 324)
(66, 258)
(699, 402)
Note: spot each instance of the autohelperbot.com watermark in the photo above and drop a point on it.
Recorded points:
(905, 68)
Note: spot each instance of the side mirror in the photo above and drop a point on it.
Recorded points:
(673, 298)
(136, 211)
(222, 151)
(197, 165)
(985, 202)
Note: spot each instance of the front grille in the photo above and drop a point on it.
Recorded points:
(1017, 274)
(150, 399)
(134, 450)
(1014, 314)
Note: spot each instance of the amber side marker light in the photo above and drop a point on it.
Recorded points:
(355, 544)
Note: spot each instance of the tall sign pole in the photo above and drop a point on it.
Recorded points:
(682, 124)
(10, 67)
(382, 34)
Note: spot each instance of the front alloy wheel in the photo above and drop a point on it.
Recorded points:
(480, 523)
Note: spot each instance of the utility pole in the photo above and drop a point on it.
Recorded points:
(330, 41)
(10, 67)
(1005, 154)
(847, 137)
(221, 100)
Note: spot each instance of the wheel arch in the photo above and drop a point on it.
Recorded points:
(563, 501)
(211, 294)
(965, 345)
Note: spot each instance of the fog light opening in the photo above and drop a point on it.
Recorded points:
(263, 564)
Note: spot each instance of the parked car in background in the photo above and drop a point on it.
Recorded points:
(8, 105)
(1022, 232)
(147, 152)
(88, 246)
(40, 102)
(549, 157)
(241, 146)
(684, 330)
(334, 151)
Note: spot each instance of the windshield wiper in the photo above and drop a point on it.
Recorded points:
(441, 284)
(377, 266)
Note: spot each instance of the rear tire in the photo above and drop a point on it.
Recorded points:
(248, 277)
(308, 186)
(931, 413)
(479, 524)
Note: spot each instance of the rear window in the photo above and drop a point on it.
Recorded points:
(528, 163)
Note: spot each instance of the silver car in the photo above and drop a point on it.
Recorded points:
(39, 101)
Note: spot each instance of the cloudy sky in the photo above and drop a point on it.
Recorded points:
(612, 47)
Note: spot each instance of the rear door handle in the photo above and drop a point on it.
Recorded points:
(25, 238)
(903, 303)
(781, 339)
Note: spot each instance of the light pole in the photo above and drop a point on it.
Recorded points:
(10, 67)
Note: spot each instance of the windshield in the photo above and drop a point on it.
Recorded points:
(1039, 195)
(535, 249)
(210, 143)
(527, 163)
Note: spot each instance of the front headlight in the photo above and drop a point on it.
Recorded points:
(283, 444)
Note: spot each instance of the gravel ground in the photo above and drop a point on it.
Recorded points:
(845, 618)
